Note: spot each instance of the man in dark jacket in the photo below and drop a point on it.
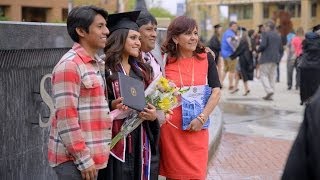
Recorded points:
(271, 49)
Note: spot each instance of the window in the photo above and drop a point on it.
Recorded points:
(266, 9)
(31, 14)
(314, 9)
(242, 11)
(294, 9)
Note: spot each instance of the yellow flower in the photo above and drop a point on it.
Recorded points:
(165, 103)
(164, 83)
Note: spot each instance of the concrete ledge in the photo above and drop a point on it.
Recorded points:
(215, 131)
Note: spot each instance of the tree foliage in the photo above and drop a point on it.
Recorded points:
(160, 12)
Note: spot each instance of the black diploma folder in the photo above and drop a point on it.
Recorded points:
(132, 91)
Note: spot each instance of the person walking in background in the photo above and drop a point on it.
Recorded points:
(80, 131)
(215, 45)
(184, 153)
(245, 63)
(291, 58)
(228, 46)
(297, 47)
(271, 49)
(131, 157)
(261, 29)
(309, 66)
(284, 43)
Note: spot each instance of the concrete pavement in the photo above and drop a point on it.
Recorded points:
(257, 134)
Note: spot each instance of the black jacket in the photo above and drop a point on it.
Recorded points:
(215, 45)
(270, 47)
(309, 64)
(245, 59)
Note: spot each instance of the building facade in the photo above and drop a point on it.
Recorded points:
(251, 13)
(48, 10)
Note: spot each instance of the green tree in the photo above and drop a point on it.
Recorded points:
(131, 5)
(160, 12)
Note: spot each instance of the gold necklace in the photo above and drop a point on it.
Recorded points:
(192, 77)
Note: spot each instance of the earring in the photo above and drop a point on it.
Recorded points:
(176, 46)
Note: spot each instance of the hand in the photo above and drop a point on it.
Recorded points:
(149, 113)
(90, 173)
(195, 125)
(117, 104)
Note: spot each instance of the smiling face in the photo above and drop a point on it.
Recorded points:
(96, 37)
(133, 44)
(148, 36)
(187, 41)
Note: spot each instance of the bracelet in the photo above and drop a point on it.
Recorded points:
(202, 116)
(200, 119)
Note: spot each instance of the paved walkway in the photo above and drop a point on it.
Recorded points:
(255, 145)
(248, 157)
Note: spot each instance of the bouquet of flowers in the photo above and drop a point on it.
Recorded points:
(161, 93)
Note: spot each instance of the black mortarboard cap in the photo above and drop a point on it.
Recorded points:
(217, 26)
(125, 20)
(316, 28)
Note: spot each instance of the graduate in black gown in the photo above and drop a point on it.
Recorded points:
(130, 159)
(304, 158)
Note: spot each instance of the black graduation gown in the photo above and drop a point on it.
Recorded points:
(304, 159)
(131, 169)
(245, 60)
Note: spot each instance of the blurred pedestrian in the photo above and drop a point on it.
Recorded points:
(184, 153)
(229, 43)
(271, 49)
(304, 161)
(257, 37)
(291, 58)
(297, 47)
(309, 66)
(245, 63)
(215, 45)
(81, 129)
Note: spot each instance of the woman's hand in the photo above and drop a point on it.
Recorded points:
(195, 125)
(149, 113)
(117, 104)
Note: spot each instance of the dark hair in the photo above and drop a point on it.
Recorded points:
(178, 26)
(250, 32)
(82, 17)
(145, 17)
(114, 50)
(232, 23)
(270, 24)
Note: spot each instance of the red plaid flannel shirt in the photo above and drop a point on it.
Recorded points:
(81, 128)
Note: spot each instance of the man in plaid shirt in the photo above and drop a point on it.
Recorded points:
(81, 128)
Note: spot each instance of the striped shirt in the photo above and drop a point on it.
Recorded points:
(81, 128)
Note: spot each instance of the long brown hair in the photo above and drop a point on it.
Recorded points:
(114, 50)
(178, 26)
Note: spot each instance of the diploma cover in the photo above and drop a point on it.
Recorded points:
(132, 91)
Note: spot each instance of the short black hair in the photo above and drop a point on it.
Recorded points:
(232, 23)
(146, 17)
(82, 17)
